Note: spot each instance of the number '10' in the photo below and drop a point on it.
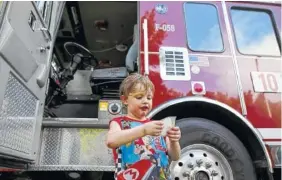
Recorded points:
(269, 82)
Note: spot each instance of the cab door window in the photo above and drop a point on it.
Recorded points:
(255, 32)
(45, 9)
(2, 11)
(203, 27)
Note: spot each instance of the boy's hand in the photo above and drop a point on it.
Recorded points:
(153, 128)
(174, 134)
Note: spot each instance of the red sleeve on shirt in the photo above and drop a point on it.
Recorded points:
(117, 120)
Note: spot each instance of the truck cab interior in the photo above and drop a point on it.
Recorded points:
(96, 48)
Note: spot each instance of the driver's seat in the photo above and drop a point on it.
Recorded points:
(106, 81)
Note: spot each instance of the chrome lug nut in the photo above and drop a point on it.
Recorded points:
(208, 165)
(199, 162)
(214, 173)
(190, 165)
(186, 174)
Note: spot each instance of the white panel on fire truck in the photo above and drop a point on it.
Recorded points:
(267, 81)
(174, 63)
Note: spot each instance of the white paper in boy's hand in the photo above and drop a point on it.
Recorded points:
(169, 122)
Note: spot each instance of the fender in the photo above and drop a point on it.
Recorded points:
(219, 104)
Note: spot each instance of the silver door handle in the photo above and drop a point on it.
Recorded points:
(41, 79)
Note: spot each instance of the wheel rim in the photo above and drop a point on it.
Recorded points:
(201, 162)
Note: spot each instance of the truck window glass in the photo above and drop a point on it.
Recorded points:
(202, 26)
(254, 32)
(45, 8)
(2, 9)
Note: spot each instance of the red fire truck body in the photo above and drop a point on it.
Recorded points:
(219, 76)
(215, 65)
(245, 81)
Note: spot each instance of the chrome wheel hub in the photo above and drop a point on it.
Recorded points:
(201, 175)
(201, 162)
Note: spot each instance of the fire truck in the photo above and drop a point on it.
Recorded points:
(216, 66)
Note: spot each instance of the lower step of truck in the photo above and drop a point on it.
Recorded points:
(74, 144)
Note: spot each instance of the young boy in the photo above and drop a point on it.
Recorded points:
(135, 140)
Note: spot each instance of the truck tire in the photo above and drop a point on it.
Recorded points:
(211, 151)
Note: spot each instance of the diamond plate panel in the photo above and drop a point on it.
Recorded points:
(75, 149)
(17, 117)
(72, 168)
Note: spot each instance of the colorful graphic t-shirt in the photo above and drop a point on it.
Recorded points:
(145, 158)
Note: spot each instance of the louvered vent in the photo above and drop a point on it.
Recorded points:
(174, 63)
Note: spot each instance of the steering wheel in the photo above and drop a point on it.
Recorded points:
(82, 49)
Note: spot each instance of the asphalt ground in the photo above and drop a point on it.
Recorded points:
(61, 176)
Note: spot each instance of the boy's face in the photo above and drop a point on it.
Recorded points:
(139, 102)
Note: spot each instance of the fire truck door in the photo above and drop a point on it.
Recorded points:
(26, 39)
(257, 50)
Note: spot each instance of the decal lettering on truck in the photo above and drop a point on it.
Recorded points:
(267, 81)
(165, 27)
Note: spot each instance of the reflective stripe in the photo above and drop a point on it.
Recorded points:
(271, 133)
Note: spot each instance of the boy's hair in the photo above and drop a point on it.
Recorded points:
(129, 83)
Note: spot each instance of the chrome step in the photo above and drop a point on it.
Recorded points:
(74, 123)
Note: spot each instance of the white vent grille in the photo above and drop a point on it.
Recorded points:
(174, 63)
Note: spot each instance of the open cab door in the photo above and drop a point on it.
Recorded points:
(27, 31)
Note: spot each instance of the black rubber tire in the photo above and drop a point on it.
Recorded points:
(203, 131)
